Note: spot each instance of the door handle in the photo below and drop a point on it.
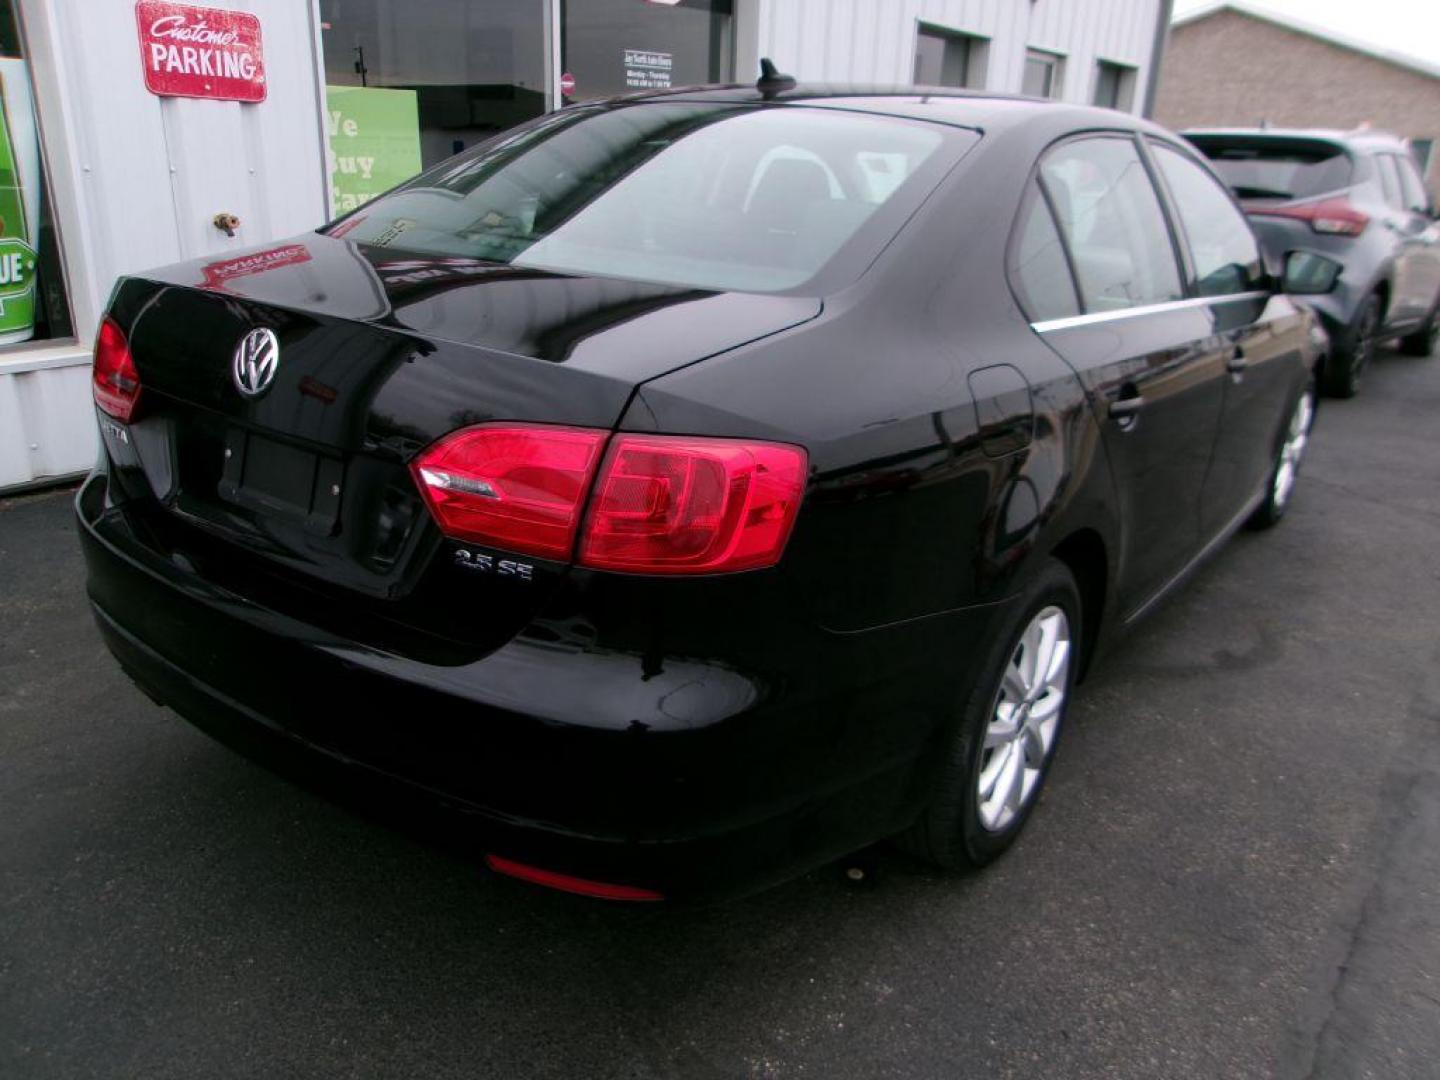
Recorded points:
(1125, 409)
(1237, 362)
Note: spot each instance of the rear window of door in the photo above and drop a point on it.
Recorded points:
(1038, 267)
(1390, 180)
(1110, 217)
(1223, 250)
(1411, 189)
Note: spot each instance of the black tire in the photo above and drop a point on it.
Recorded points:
(1353, 352)
(1422, 341)
(949, 831)
(1277, 497)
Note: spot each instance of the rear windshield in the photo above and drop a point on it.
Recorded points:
(1278, 171)
(696, 195)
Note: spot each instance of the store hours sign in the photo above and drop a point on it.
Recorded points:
(200, 52)
(646, 69)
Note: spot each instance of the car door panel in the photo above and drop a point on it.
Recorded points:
(1265, 337)
(1258, 337)
(1140, 349)
(1156, 385)
(1408, 286)
(1420, 237)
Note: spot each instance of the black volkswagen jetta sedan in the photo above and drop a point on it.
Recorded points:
(696, 487)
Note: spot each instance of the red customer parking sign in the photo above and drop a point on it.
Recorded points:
(200, 52)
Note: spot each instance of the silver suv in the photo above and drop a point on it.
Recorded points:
(1358, 198)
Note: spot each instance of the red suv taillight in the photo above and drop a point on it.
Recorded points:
(116, 382)
(1335, 216)
(663, 504)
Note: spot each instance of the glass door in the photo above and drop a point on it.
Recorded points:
(411, 82)
(611, 47)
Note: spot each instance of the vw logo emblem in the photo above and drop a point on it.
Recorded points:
(256, 358)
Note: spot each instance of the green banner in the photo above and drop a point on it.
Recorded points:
(374, 142)
(17, 256)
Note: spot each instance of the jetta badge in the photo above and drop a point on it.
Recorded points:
(256, 358)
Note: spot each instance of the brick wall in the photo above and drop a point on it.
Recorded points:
(1233, 70)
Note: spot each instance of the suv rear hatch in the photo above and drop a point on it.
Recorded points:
(1263, 169)
(301, 498)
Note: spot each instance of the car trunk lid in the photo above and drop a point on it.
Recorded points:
(380, 354)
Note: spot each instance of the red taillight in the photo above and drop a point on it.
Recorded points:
(663, 504)
(1335, 216)
(565, 883)
(518, 487)
(678, 505)
(115, 380)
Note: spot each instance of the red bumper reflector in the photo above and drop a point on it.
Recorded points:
(565, 883)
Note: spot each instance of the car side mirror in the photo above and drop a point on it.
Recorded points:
(1309, 274)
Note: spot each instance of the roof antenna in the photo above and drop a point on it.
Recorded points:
(771, 81)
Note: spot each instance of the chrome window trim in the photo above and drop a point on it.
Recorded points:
(1046, 325)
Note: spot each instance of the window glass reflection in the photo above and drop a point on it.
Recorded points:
(464, 70)
(611, 47)
(707, 196)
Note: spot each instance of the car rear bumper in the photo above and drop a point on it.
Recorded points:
(721, 781)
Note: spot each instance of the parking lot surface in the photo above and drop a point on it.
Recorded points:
(1234, 872)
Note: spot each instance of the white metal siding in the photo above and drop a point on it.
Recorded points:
(873, 41)
(42, 430)
(136, 181)
(149, 173)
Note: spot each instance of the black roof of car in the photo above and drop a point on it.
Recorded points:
(947, 105)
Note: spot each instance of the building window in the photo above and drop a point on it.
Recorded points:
(1114, 86)
(408, 89)
(33, 305)
(946, 58)
(610, 47)
(1043, 74)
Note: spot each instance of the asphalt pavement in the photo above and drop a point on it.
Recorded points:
(1235, 871)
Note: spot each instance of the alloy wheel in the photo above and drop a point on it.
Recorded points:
(1292, 451)
(1025, 719)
